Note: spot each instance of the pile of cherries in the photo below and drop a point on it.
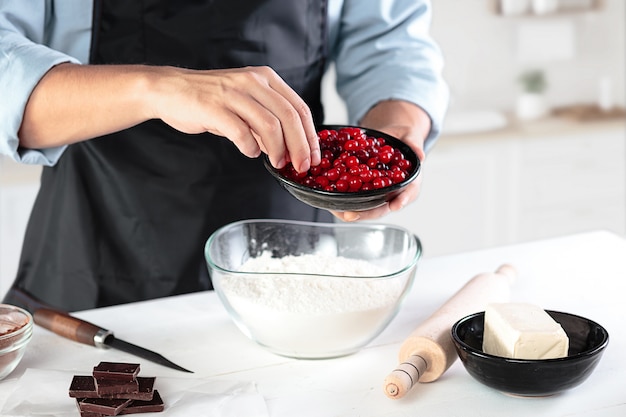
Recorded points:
(352, 161)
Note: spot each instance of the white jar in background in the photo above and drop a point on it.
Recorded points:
(514, 7)
(531, 106)
(545, 6)
(605, 94)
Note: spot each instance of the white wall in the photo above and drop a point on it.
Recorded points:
(482, 54)
(483, 62)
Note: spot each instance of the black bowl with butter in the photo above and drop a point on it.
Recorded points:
(532, 377)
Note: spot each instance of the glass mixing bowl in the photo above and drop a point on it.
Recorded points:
(312, 290)
(16, 330)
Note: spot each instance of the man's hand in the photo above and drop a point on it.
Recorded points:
(252, 106)
(408, 123)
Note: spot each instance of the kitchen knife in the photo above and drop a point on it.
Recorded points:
(81, 331)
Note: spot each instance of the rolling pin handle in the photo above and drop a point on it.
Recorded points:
(507, 271)
(407, 374)
(428, 351)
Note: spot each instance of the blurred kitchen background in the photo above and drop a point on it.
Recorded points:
(534, 145)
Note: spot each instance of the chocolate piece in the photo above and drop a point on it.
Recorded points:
(146, 392)
(114, 388)
(153, 406)
(106, 406)
(116, 370)
(87, 413)
(85, 387)
(110, 387)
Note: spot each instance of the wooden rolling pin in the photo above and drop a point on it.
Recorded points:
(428, 351)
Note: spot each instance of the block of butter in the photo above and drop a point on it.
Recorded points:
(523, 331)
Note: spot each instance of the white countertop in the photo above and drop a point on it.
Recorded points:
(583, 274)
(542, 128)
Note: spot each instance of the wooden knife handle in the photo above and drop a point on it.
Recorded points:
(68, 326)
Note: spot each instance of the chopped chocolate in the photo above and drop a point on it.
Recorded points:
(153, 406)
(84, 386)
(109, 387)
(116, 370)
(106, 406)
(114, 388)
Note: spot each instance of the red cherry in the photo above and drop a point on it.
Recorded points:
(325, 163)
(366, 176)
(404, 164)
(333, 174)
(377, 183)
(342, 185)
(351, 161)
(322, 181)
(315, 170)
(355, 183)
(351, 145)
(385, 156)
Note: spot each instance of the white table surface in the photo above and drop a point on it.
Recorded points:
(584, 274)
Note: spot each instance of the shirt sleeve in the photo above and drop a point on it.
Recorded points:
(24, 60)
(386, 52)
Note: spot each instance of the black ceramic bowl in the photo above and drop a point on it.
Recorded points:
(532, 377)
(350, 201)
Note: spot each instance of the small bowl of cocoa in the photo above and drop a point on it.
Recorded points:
(361, 169)
(16, 330)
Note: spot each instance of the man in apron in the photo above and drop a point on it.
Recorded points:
(124, 216)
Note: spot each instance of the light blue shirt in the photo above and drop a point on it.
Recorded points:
(381, 49)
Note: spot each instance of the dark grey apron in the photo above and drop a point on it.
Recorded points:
(124, 217)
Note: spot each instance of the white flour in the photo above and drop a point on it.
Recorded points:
(313, 316)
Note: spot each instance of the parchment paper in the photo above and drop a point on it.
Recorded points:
(44, 393)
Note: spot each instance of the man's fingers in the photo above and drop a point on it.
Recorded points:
(263, 108)
(238, 132)
(299, 129)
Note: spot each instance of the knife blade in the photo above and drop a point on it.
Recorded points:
(78, 330)
(88, 333)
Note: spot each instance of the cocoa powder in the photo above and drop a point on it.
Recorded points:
(12, 333)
